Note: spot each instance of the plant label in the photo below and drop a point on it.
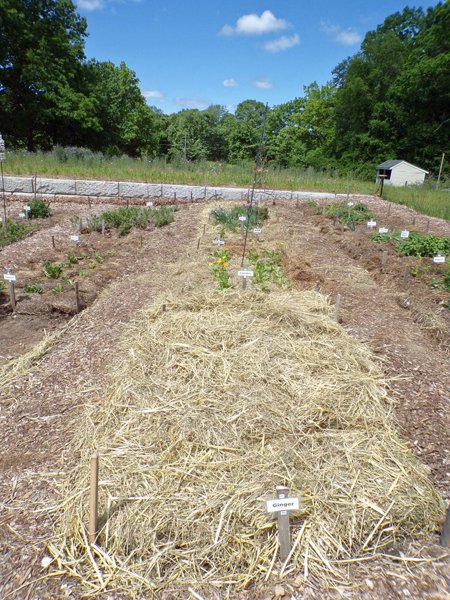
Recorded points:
(9, 277)
(27, 207)
(383, 230)
(257, 230)
(245, 273)
(371, 224)
(282, 504)
(350, 203)
(75, 238)
(218, 242)
(149, 204)
(242, 218)
(404, 234)
(439, 259)
(22, 215)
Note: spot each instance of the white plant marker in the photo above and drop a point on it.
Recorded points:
(11, 278)
(371, 224)
(383, 230)
(244, 273)
(282, 505)
(439, 259)
(219, 242)
(149, 204)
(404, 234)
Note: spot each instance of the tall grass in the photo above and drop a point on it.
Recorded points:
(80, 163)
(424, 199)
(83, 164)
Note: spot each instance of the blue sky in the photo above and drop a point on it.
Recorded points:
(193, 53)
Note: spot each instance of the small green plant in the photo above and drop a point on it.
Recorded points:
(446, 280)
(348, 215)
(82, 273)
(2, 286)
(72, 259)
(312, 203)
(228, 218)
(98, 257)
(163, 216)
(419, 244)
(13, 232)
(39, 209)
(219, 268)
(267, 266)
(57, 289)
(52, 270)
(33, 288)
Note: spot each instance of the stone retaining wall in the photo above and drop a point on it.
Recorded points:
(132, 190)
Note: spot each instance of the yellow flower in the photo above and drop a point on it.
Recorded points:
(224, 257)
(225, 264)
(211, 264)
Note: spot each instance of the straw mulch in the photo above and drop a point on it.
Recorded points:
(214, 402)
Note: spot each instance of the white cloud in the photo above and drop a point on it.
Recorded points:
(230, 83)
(90, 4)
(283, 43)
(155, 95)
(255, 25)
(347, 37)
(191, 103)
(263, 84)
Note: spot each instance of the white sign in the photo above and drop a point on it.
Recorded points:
(404, 234)
(350, 203)
(9, 277)
(282, 504)
(371, 224)
(257, 230)
(439, 259)
(219, 242)
(22, 215)
(245, 273)
(149, 204)
(27, 207)
(74, 238)
(242, 218)
(383, 230)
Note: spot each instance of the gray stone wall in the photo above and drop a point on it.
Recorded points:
(134, 190)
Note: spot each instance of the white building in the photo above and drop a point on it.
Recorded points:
(400, 172)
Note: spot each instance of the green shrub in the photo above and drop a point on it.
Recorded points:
(267, 266)
(163, 216)
(228, 218)
(348, 215)
(13, 233)
(33, 288)
(420, 244)
(39, 209)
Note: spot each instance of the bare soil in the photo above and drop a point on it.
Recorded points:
(405, 320)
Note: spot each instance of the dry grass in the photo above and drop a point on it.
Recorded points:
(214, 402)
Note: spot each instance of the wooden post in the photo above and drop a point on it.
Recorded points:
(384, 258)
(191, 196)
(445, 535)
(12, 295)
(414, 220)
(163, 308)
(440, 171)
(389, 209)
(337, 307)
(284, 529)
(204, 228)
(428, 225)
(406, 278)
(141, 240)
(103, 226)
(198, 243)
(93, 500)
(175, 197)
(35, 186)
(81, 224)
(53, 242)
(89, 202)
(77, 297)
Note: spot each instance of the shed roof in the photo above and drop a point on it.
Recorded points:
(389, 164)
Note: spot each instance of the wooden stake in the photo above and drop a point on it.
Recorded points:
(204, 228)
(81, 224)
(77, 297)
(93, 500)
(445, 535)
(428, 225)
(89, 202)
(337, 308)
(384, 258)
(389, 210)
(198, 243)
(53, 242)
(414, 220)
(12, 295)
(163, 308)
(174, 196)
(406, 278)
(284, 529)
(103, 226)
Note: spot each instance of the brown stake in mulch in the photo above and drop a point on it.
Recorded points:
(93, 500)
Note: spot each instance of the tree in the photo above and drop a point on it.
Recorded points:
(41, 54)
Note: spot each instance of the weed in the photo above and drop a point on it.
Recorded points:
(98, 257)
(82, 273)
(71, 259)
(52, 270)
(228, 218)
(33, 288)
(57, 289)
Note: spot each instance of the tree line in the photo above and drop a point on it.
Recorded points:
(390, 100)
